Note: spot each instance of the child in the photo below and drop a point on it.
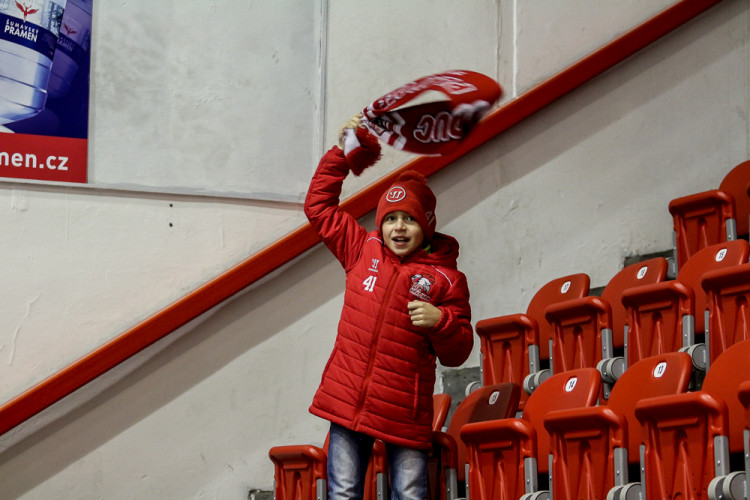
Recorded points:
(405, 305)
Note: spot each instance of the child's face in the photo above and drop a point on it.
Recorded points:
(401, 233)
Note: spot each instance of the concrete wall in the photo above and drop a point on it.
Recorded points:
(575, 188)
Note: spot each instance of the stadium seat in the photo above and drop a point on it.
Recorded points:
(514, 345)
(300, 471)
(691, 437)
(713, 216)
(590, 331)
(506, 456)
(727, 296)
(737, 183)
(448, 457)
(700, 220)
(666, 316)
(593, 448)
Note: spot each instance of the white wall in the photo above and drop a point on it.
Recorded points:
(575, 188)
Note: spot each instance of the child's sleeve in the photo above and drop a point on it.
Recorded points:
(340, 232)
(453, 336)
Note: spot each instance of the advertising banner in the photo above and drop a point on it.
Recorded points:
(44, 89)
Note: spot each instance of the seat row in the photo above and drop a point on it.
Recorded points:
(597, 375)
(655, 439)
(639, 314)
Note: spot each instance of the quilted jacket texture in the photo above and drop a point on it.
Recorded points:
(380, 377)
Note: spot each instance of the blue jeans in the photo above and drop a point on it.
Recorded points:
(348, 455)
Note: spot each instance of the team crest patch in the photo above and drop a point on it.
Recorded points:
(421, 284)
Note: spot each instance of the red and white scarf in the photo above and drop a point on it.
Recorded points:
(438, 126)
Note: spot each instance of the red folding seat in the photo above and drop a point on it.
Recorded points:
(666, 316)
(300, 471)
(506, 456)
(727, 296)
(589, 330)
(514, 345)
(690, 438)
(448, 458)
(713, 216)
(737, 183)
(700, 220)
(593, 448)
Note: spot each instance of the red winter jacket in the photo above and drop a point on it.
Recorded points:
(380, 377)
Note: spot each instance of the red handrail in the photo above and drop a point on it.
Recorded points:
(249, 271)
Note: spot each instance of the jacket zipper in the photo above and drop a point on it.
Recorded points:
(373, 347)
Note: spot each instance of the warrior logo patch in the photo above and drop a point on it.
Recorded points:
(395, 194)
(421, 285)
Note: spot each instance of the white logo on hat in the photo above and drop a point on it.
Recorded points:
(396, 193)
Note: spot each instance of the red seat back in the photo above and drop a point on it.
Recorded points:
(668, 373)
(571, 389)
(298, 471)
(723, 381)
(737, 183)
(569, 287)
(682, 430)
(497, 450)
(584, 440)
(727, 296)
(578, 323)
(710, 258)
(656, 312)
(506, 339)
(491, 402)
(638, 274)
(441, 405)
(700, 220)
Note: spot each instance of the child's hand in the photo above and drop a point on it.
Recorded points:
(423, 314)
(361, 149)
(353, 124)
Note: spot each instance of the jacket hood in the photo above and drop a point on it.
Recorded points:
(442, 251)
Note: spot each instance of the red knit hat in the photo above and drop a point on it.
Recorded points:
(411, 194)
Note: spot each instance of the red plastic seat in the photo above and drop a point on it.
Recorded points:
(737, 183)
(592, 447)
(503, 454)
(700, 220)
(300, 471)
(664, 317)
(448, 457)
(590, 329)
(690, 437)
(514, 345)
(713, 216)
(727, 296)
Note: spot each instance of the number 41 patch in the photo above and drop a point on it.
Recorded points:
(369, 283)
